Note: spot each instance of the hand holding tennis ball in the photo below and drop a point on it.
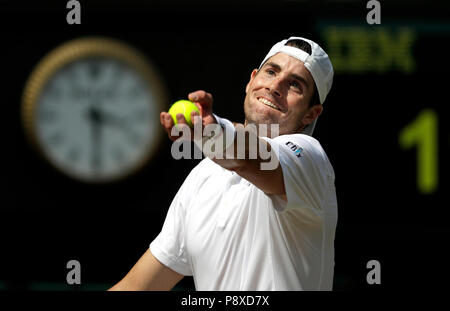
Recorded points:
(185, 107)
(199, 104)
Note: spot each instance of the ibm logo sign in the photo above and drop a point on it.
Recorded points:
(296, 149)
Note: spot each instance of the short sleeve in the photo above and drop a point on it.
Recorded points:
(306, 171)
(169, 247)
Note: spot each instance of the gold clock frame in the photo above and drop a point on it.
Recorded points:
(81, 48)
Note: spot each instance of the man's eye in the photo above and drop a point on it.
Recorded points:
(295, 84)
(270, 71)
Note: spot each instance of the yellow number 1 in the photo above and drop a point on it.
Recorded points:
(423, 133)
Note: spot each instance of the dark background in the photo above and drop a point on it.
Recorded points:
(47, 219)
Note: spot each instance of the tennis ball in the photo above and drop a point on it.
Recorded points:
(184, 107)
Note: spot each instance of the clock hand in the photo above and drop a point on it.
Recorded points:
(96, 120)
(114, 120)
(111, 119)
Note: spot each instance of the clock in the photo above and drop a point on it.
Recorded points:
(91, 109)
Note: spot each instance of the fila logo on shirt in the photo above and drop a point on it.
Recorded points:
(296, 149)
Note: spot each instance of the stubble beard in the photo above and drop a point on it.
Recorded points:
(252, 117)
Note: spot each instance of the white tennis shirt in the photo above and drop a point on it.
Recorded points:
(230, 235)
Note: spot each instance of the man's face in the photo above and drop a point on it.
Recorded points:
(279, 93)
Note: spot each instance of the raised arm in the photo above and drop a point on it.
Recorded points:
(270, 181)
(148, 274)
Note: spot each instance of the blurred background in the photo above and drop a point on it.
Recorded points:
(384, 128)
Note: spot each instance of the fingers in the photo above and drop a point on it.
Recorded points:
(203, 100)
(196, 119)
(167, 122)
(168, 125)
(166, 119)
(201, 97)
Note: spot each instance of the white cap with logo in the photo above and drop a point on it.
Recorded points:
(318, 64)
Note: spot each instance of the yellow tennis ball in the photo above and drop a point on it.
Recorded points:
(185, 107)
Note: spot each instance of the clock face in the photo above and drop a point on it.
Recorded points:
(96, 118)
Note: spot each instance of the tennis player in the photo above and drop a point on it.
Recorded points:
(236, 226)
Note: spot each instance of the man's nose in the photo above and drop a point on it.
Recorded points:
(275, 87)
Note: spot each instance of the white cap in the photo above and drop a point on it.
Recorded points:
(318, 64)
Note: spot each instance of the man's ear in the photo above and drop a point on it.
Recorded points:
(312, 114)
(254, 72)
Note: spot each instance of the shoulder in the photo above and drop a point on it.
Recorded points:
(299, 143)
(204, 169)
(300, 147)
